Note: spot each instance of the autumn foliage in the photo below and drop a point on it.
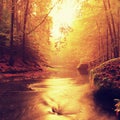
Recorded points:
(107, 75)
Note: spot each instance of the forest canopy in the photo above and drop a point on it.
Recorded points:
(26, 30)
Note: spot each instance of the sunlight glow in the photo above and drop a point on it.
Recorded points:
(34, 9)
(63, 15)
(63, 99)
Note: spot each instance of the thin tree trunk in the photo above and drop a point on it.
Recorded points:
(118, 31)
(1, 10)
(107, 46)
(100, 37)
(16, 20)
(17, 23)
(112, 19)
(115, 44)
(24, 32)
(11, 60)
(109, 26)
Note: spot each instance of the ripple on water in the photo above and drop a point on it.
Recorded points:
(66, 99)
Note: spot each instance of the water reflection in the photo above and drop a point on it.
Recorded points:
(51, 99)
(60, 98)
(66, 95)
(66, 99)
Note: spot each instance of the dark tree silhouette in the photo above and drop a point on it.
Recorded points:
(1, 10)
(24, 31)
(11, 60)
(111, 27)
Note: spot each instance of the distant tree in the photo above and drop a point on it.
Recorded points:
(4, 16)
(100, 24)
(38, 30)
(32, 25)
(1, 41)
(27, 25)
(118, 25)
(1, 10)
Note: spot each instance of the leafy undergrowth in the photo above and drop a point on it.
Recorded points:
(107, 75)
(21, 71)
(18, 67)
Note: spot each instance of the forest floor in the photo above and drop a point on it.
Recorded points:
(22, 71)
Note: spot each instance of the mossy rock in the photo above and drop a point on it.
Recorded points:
(107, 75)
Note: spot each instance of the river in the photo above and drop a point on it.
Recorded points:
(65, 95)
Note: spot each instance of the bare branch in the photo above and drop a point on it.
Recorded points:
(43, 18)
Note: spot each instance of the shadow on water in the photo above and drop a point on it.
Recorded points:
(105, 98)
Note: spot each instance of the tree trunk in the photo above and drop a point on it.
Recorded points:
(115, 45)
(118, 31)
(107, 45)
(109, 26)
(100, 38)
(11, 60)
(24, 32)
(1, 10)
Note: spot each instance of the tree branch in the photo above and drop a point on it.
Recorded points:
(43, 18)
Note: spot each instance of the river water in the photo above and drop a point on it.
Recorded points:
(65, 95)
